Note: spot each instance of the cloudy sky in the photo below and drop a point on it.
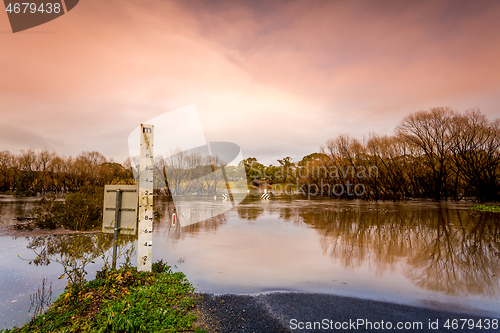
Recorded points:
(276, 77)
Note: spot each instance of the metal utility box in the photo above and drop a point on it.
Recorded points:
(127, 208)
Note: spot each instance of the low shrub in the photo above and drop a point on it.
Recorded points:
(81, 210)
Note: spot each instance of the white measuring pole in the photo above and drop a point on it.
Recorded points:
(146, 181)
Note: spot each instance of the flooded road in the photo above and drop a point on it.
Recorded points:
(438, 255)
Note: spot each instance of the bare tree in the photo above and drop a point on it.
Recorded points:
(476, 153)
(431, 133)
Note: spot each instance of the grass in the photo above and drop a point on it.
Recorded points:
(123, 300)
(487, 208)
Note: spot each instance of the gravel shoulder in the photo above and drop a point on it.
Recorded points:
(298, 312)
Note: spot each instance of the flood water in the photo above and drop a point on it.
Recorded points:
(438, 255)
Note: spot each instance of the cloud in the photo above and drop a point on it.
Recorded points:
(277, 78)
(15, 138)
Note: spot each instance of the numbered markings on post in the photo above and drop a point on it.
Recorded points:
(146, 176)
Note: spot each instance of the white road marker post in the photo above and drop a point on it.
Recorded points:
(146, 182)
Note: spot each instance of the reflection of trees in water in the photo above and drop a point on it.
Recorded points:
(211, 225)
(76, 245)
(451, 251)
(76, 251)
(251, 208)
(286, 213)
(459, 259)
(175, 232)
(443, 250)
(12, 209)
(287, 208)
(348, 235)
(249, 213)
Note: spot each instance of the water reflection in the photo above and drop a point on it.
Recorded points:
(442, 248)
(177, 232)
(77, 251)
(12, 207)
(47, 248)
(250, 214)
(459, 255)
(388, 251)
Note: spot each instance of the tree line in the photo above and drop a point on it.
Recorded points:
(29, 172)
(438, 154)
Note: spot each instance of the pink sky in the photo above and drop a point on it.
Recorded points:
(277, 78)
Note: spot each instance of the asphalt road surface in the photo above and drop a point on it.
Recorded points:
(303, 312)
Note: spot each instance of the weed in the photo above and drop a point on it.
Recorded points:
(41, 299)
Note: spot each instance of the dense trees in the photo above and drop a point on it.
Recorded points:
(439, 154)
(31, 172)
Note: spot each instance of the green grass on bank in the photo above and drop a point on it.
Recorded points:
(123, 300)
(487, 208)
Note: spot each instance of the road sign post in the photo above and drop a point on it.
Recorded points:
(146, 182)
(120, 212)
(118, 207)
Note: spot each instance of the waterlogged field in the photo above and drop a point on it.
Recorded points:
(438, 255)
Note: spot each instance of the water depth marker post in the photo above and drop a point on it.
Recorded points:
(146, 181)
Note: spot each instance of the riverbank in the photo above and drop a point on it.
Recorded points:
(487, 208)
(123, 300)
(308, 312)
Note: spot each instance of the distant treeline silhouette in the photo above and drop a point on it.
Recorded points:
(438, 154)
